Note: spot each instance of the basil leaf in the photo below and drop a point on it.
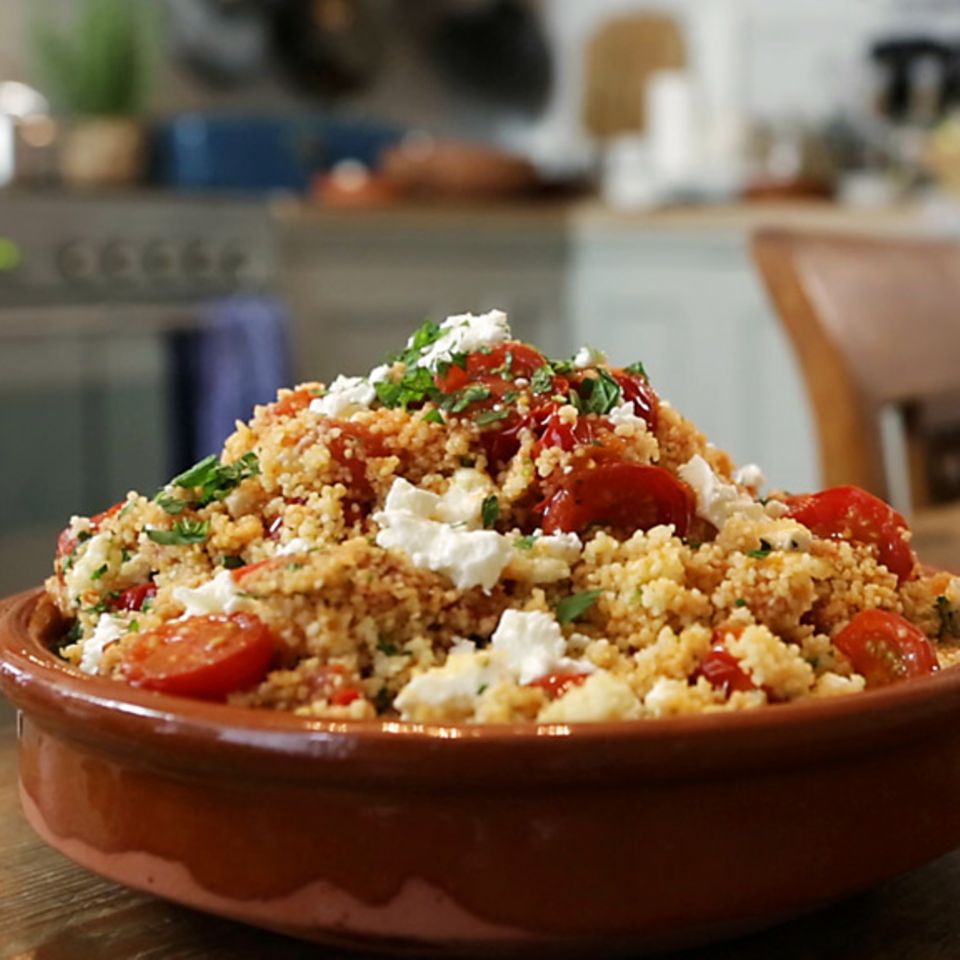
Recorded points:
(458, 401)
(761, 554)
(601, 395)
(183, 532)
(427, 333)
(415, 386)
(171, 504)
(637, 368)
(198, 474)
(575, 606)
(99, 572)
(231, 562)
(542, 380)
(433, 416)
(210, 480)
(490, 511)
(485, 417)
(525, 543)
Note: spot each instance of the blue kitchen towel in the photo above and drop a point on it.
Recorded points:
(238, 357)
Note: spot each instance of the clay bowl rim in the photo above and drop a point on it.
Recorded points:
(217, 738)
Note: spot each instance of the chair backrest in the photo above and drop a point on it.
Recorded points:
(874, 322)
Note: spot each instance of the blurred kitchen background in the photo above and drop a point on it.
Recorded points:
(203, 199)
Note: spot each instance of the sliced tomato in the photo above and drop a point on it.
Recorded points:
(496, 369)
(557, 684)
(885, 648)
(626, 495)
(723, 670)
(133, 598)
(68, 541)
(293, 403)
(636, 388)
(204, 657)
(850, 513)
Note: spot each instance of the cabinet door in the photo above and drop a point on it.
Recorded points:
(694, 314)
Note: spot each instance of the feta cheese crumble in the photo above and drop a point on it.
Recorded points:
(717, 501)
(345, 397)
(296, 545)
(750, 475)
(625, 415)
(219, 595)
(99, 552)
(108, 630)
(465, 333)
(525, 647)
(588, 356)
(418, 523)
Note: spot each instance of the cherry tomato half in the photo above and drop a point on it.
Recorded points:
(621, 494)
(885, 648)
(496, 369)
(849, 513)
(557, 684)
(205, 657)
(723, 670)
(133, 598)
(636, 388)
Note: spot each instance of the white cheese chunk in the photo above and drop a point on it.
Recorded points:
(625, 415)
(379, 374)
(588, 356)
(531, 645)
(96, 553)
(108, 630)
(219, 595)
(561, 546)
(465, 333)
(419, 523)
(717, 500)
(750, 475)
(296, 545)
(462, 678)
(345, 397)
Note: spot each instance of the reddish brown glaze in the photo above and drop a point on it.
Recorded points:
(511, 838)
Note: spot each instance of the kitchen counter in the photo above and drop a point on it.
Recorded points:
(51, 908)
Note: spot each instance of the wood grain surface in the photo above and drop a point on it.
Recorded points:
(51, 909)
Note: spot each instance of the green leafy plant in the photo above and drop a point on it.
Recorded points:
(99, 64)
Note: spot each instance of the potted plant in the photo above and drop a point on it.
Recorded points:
(95, 71)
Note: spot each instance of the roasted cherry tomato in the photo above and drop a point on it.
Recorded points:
(627, 495)
(885, 648)
(293, 403)
(723, 670)
(350, 445)
(133, 598)
(557, 684)
(68, 541)
(205, 657)
(849, 513)
(559, 433)
(636, 388)
(496, 369)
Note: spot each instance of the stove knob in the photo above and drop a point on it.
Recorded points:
(78, 261)
(160, 260)
(119, 261)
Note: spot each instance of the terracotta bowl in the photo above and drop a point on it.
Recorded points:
(511, 840)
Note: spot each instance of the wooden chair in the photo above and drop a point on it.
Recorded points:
(876, 323)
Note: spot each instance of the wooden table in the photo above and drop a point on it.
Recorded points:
(51, 909)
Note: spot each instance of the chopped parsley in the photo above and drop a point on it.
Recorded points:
(638, 369)
(231, 562)
(576, 605)
(74, 633)
(542, 380)
(490, 511)
(525, 543)
(459, 400)
(389, 649)
(765, 550)
(482, 688)
(739, 602)
(209, 480)
(600, 395)
(949, 619)
(184, 531)
(100, 571)
(133, 626)
(433, 416)
(426, 334)
(415, 386)
(486, 417)
(468, 461)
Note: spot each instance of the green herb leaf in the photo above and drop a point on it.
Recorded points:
(600, 395)
(426, 334)
(433, 416)
(294, 565)
(490, 511)
(637, 368)
(183, 532)
(74, 633)
(482, 689)
(468, 461)
(542, 380)
(739, 602)
(765, 550)
(487, 417)
(209, 480)
(525, 543)
(459, 400)
(389, 649)
(231, 562)
(415, 386)
(949, 619)
(575, 606)
(99, 572)
(133, 626)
